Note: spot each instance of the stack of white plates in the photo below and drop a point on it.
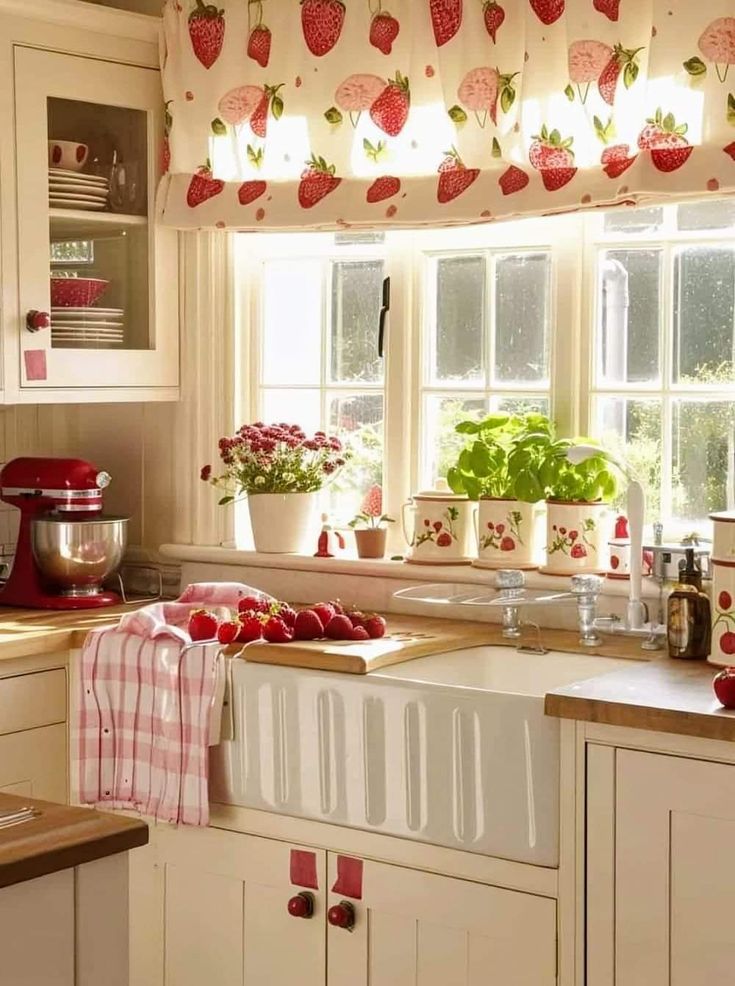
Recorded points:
(87, 328)
(72, 190)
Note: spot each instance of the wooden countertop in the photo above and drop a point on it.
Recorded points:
(670, 696)
(29, 632)
(61, 837)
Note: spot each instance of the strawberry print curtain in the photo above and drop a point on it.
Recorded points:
(326, 114)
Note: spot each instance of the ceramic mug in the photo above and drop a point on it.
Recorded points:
(442, 531)
(67, 155)
(504, 533)
(575, 538)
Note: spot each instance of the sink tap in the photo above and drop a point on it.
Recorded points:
(585, 589)
(512, 596)
(510, 583)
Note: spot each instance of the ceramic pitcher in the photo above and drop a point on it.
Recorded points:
(504, 533)
(439, 528)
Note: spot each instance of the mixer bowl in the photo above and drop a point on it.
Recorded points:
(76, 556)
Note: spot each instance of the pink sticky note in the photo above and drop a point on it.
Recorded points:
(303, 869)
(349, 877)
(35, 360)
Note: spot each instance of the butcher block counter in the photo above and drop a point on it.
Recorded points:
(30, 632)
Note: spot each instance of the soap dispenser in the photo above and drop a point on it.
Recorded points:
(689, 620)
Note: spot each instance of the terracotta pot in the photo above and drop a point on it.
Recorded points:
(575, 537)
(283, 523)
(505, 533)
(370, 542)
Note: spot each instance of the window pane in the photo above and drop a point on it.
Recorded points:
(632, 430)
(628, 327)
(520, 405)
(459, 334)
(704, 457)
(704, 314)
(299, 407)
(708, 214)
(292, 320)
(626, 220)
(521, 317)
(356, 298)
(441, 444)
(359, 421)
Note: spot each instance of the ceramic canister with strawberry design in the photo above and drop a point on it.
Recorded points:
(439, 528)
(504, 533)
(575, 535)
(723, 589)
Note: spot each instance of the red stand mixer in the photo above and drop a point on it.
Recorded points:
(66, 548)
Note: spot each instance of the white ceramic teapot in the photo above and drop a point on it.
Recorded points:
(441, 530)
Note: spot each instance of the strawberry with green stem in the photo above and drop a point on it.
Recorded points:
(203, 186)
(553, 158)
(269, 101)
(384, 28)
(259, 36)
(665, 139)
(389, 112)
(207, 32)
(317, 181)
(622, 60)
(454, 177)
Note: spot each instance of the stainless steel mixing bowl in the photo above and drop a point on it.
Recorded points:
(77, 555)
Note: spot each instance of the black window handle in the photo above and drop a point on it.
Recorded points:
(385, 308)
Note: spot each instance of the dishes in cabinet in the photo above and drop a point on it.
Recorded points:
(76, 291)
(77, 178)
(68, 190)
(69, 154)
(71, 314)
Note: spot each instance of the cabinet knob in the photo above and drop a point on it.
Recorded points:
(302, 905)
(342, 915)
(36, 320)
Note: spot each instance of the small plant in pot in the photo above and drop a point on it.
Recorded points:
(577, 497)
(500, 468)
(370, 525)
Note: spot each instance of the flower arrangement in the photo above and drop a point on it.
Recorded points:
(277, 458)
(371, 516)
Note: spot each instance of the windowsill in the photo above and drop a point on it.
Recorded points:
(347, 564)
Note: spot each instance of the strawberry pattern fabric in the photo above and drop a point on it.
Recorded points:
(338, 114)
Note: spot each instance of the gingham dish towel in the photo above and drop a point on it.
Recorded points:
(149, 708)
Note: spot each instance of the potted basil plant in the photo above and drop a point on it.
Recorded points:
(499, 467)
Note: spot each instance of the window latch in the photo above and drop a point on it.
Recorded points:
(384, 309)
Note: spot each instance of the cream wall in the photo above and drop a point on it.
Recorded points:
(139, 6)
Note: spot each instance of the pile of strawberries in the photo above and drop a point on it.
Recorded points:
(278, 623)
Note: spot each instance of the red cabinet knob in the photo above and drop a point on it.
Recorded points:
(342, 915)
(36, 320)
(302, 905)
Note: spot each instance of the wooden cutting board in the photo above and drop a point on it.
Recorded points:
(407, 637)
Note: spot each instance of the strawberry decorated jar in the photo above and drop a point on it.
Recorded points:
(504, 533)
(723, 589)
(439, 527)
(575, 536)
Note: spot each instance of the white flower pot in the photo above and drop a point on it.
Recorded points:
(441, 531)
(505, 534)
(575, 537)
(284, 523)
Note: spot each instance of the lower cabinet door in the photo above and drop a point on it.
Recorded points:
(674, 871)
(419, 929)
(33, 763)
(224, 897)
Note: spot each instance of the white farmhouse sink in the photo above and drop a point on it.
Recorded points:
(452, 749)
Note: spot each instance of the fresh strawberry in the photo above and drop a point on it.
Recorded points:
(555, 178)
(317, 181)
(616, 160)
(253, 604)
(251, 628)
(454, 177)
(375, 626)
(275, 631)
(207, 32)
(730, 149)
(494, 16)
(249, 191)
(202, 187)
(325, 612)
(339, 628)
(321, 23)
(356, 617)
(671, 157)
(307, 625)
(383, 31)
(383, 188)
(228, 630)
(359, 633)
(610, 8)
(512, 180)
(202, 625)
(259, 45)
(337, 606)
(287, 614)
(547, 11)
(446, 18)
(390, 109)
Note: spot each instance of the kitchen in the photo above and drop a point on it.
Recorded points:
(508, 243)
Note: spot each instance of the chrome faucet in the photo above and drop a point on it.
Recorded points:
(583, 592)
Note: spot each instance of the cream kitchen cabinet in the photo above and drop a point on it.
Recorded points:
(60, 343)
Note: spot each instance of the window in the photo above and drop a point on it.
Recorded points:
(618, 324)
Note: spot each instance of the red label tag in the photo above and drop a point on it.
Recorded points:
(35, 360)
(349, 877)
(303, 869)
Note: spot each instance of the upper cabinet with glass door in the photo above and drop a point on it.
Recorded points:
(98, 299)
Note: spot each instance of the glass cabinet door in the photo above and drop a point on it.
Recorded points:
(97, 277)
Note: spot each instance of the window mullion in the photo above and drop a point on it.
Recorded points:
(489, 340)
(666, 342)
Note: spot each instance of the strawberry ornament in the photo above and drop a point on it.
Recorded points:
(390, 109)
(207, 32)
(610, 8)
(493, 15)
(553, 158)
(259, 37)
(317, 181)
(203, 186)
(666, 141)
(547, 11)
(513, 180)
(622, 60)
(446, 18)
(382, 188)
(321, 24)
(384, 30)
(454, 177)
